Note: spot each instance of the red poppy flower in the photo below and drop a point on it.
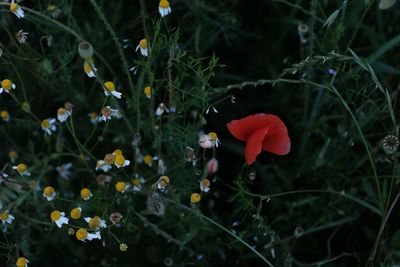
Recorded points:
(261, 131)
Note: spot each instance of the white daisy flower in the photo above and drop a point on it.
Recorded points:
(63, 114)
(6, 86)
(143, 46)
(49, 193)
(109, 89)
(205, 185)
(96, 223)
(6, 217)
(22, 169)
(101, 165)
(17, 10)
(58, 218)
(83, 235)
(65, 170)
(161, 108)
(120, 161)
(107, 113)
(137, 183)
(164, 8)
(21, 36)
(48, 126)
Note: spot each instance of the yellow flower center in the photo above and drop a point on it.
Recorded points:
(106, 112)
(21, 167)
(123, 247)
(109, 159)
(213, 136)
(81, 234)
(51, 8)
(195, 198)
(85, 193)
(136, 181)
(76, 213)
(48, 191)
(143, 43)
(6, 84)
(119, 160)
(87, 68)
(164, 4)
(205, 183)
(25, 106)
(163, 181)
(45, 124)
(21, 262)
(4, 216)
(120, 186)
(94, 223)
(61, 111)
(12, 154)
(117, 152)
(148, 159)
(55, 215)
(13, 7)
(109, 86)
(4, 114)
(147, 91)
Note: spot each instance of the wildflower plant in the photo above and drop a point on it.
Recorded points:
(124, 140)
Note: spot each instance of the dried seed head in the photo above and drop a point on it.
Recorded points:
(390, 144)
(85, 50)
(190, 155)
(155, 204)
(115, 217)
(103, 179)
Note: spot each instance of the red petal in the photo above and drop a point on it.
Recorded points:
(242, 129)
(254, 145)
(277, 140)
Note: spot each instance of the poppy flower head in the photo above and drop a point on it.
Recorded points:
(261, 132)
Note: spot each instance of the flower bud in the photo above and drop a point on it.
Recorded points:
(85, 50)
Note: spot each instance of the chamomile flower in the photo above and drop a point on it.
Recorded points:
(121, 186)
(6, 86)
(101, 165)
(109, 89)
(49, 193)
(89, 69)
(137, 183)
(205, 185)
(76, 213)
(195, 198)
(214, 138)
(58, 218)
(22, 262)
(143, 46)
(5, 116)
(13, 155)
(161, 109)
(64, 170)
(107, 113)
(163, 182)
(95, 223)
(48, 126)
(6, 217)
(16, 9)
(120, 161)
(83, 235)
(86, 194)
(55, 12)
(22, 169)
(21, 36)
(148, 91)
(164, 8)
(63, 114)
(148, 160)
(93, 117)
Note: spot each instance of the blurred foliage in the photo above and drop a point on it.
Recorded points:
(329, 69)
